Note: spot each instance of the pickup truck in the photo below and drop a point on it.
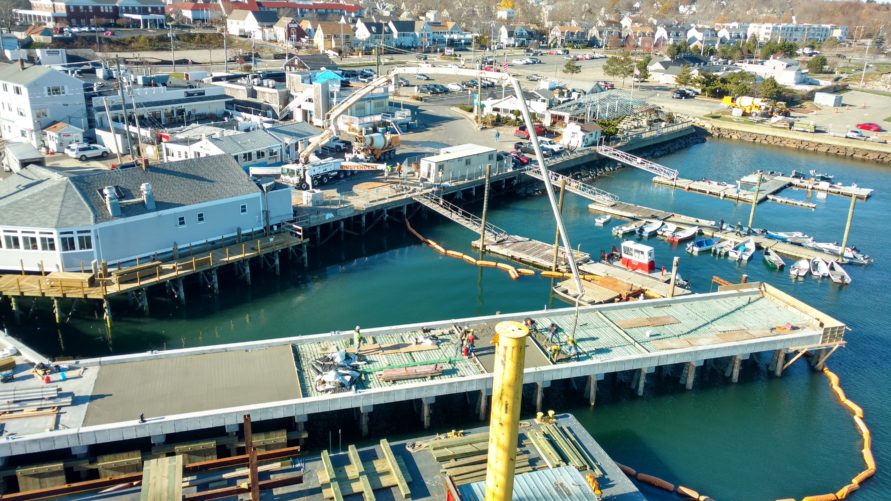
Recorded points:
(522, 132)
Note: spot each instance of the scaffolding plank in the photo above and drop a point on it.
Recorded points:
(332, 477)
(162, 479)
(395, 469)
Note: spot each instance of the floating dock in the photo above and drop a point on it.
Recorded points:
(213, 387)
(770, 186)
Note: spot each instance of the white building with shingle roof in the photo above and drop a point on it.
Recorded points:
(33, 97)
(56, 222)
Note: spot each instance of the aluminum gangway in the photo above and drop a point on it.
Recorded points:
(578, 187)
(466, 219)
(638, 162)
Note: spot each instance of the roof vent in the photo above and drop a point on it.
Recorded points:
(111, 201)
(148, 195)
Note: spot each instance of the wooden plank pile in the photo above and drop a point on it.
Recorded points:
(464, 458)
(364, 478)
(558, 447)
(31, 399)
(404, 373)
(633, 323)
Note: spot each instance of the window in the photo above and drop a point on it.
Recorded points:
(466, 161)
(30, 242)
(67, 242)
(181, 221)
(20, 111)
(261, 154)
(55, 90)
(5, 88)
(247, 157)
(47, 243)
(41, 113)
(243, 209)
(200, 217)
(11, 242)
(84, 242)
(17, 90)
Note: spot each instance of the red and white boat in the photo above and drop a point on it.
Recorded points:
(679, 236)
(638, 257)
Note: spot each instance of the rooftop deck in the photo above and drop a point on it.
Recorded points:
(192, 389)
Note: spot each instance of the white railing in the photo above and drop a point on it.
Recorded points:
(638, 162)
(577, 187)
(457, 214)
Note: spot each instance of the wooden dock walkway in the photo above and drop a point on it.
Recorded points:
(830, 188)
(140, 276)
(724, 191)
(532, 252)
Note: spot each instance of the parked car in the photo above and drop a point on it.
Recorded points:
(533, 77)
(533, 60)
(421, 57)
(519, 62)
(550, 144)
(455, 87)
(870, 126)
(520, 157)
(337, 145)
(486, 83)
(421, 76)
(681, 94)
(439, 89)
(83, 151)
(522, 132)
(855, 134)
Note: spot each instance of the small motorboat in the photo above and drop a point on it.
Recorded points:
(702, 245)
(667, 230)
(819, 268)
(625, 229)
(792, 237)
(649, 229)
(602, 220)
(800, 269)
(773, 260)
(722, 247)
(679, 236)
(742, 251)
(852, 254)
(838, 274)
(820, 176)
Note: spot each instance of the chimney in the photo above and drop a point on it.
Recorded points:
(21, 63)
(504, 425)
(111, 201)
(148, 196)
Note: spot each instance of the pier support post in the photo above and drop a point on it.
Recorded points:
(106, 306)
(365, 416)
(180, 291)
(214, 282)
(780, 361)
(641, 382)
(246, 270)
(427, 410)
(57, 312)
(342, 232)
(691, 375)
(592, 389)
(276, 264)
(484, 404)
(735, 365)
(319, 235)
(539, 394)
(386, 218)
(301, 420)
(159, 439)
(232, 432)
(13, 303)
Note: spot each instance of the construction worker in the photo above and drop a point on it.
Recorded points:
(552, 332)
(573, 347)
(357, 338)
(555, 350)
(470, 338)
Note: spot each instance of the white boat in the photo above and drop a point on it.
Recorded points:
(838, 274)
(602, 220)
(819, 268)
(649, 229)
(722, 247)
(627, 228)
(800, 269)
(852, 254)
(742, 251)
(702, 245)
(793, 237)
(666, 230)
(679, 236)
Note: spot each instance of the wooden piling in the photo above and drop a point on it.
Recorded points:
(844, 245)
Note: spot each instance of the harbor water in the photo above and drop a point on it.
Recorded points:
(764, 438)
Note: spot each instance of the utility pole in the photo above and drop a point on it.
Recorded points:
(117, 145)
(755, 200)
(172, 36)
(124, 107)
(138, 131)
(844, 245)
(865, 62)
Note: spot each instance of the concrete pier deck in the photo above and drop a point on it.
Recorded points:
(616, 337)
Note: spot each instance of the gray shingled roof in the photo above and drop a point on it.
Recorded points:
(265, 17)
(39, 198)
(175, 184)
(248, 141)
(294, 131)
(13, 74)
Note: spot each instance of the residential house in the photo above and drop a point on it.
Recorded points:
(287, 30)
(33, 97)
(581, 135)
(254, 148)
(441, 34)
(369, 34)
(699, 36)
(317, 10)
(665, 71)
(56, 222)
(514, 36)
(606, 33)
(567, 35)
(403, 34)
(235, 22)
(195, 12)
(639, 36)
(669, 34)
(509, 106)
(784, 71)
(252, 24)
(330, 35)
(732, 33)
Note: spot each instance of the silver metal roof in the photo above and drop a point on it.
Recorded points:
(558, 484)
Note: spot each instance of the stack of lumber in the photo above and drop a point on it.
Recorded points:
(404, 373)
(464, 458)
(364, 477)
(559, 447)
(28, 399)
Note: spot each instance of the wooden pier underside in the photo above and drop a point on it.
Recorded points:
(141, 276)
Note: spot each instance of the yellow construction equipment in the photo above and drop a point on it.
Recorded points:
(755, 106)
(504, 425)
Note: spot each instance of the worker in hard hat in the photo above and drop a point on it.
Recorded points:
(357, 338)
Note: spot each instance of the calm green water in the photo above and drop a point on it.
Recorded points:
(761, 439)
